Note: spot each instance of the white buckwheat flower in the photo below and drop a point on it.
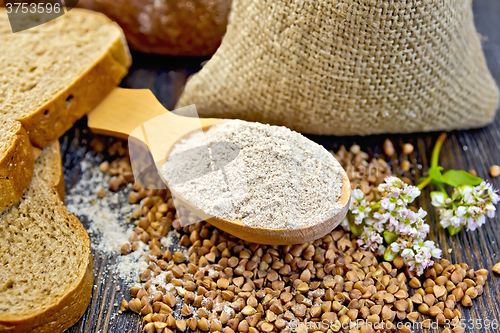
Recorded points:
(416, 253)
(370, 240)
(438, 199)
(467, 207)
(360, 207)
(389, 227)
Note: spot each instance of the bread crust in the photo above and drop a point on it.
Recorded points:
(66, 311)
(174, 27)
(16, 168)
(53, 119)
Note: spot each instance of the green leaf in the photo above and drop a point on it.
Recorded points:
(356, 230)
(435, 174)
(421, 179)
(389, 255)
(453, 231)
(435, 182)
(390, 237)
(460, 177)
(376, 206)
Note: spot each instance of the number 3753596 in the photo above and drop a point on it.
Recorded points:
(20, 7)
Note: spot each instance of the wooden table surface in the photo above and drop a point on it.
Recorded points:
(473, 149)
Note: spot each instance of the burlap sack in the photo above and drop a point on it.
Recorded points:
(348, 67)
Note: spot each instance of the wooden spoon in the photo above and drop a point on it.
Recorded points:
(137, 113)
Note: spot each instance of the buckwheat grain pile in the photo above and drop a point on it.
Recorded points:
(212, 281)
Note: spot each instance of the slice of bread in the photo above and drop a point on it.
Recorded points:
(17, 153)
(51, 76)
(45, 256)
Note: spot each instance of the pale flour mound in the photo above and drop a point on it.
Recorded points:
(265, 176)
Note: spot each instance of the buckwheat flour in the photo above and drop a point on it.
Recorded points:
(265, 176)
(106, 220)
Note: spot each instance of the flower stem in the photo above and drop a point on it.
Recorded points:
(441, 187)
(434, 159)
(424, 183)
(437, 150)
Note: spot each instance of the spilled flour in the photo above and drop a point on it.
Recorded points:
(265, 176)
(107, 220)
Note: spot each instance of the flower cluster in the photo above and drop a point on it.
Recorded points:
(417, 253)
(467, 207)
(390, 227)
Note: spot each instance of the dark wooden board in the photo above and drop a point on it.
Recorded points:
(473, 149)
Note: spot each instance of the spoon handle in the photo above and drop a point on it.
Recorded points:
(123, 110)
(137, 113)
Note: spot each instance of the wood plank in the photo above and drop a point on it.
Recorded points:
(476, 149)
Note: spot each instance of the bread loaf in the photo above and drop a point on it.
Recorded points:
(174, 27)
(52, 75)
(46, 272)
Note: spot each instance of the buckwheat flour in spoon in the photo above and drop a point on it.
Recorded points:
(265, 176)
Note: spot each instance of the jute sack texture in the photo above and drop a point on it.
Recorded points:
(348, 67)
